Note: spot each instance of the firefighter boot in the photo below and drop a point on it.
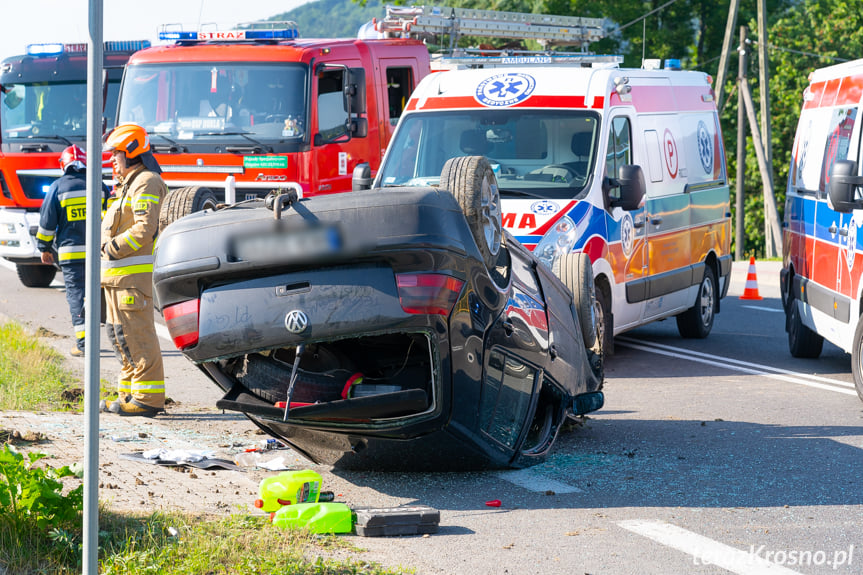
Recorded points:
(134, 408)
(113, 405)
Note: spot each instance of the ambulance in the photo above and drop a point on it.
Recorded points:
(822, 261)
(624, 165)
(43, 110)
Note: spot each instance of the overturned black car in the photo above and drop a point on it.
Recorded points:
(400, 329)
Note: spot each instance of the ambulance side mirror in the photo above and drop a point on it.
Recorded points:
(843, 186)
(630, 179)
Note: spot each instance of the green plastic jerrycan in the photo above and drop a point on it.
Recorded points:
(316, 517)
(288, 488)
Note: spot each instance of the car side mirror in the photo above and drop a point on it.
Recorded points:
(631, 182)
(362, 177)
(843, 185)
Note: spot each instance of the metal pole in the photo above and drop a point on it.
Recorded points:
(93, 301)
(719, 87)
(740, 234)
(764, 81)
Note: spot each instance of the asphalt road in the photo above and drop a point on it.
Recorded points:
(723, 455)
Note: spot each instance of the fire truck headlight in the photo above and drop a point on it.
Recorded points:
(560, 239)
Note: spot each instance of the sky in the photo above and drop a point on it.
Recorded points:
(41, 21)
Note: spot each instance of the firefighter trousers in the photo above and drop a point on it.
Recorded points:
(73, 277)
(132, 331)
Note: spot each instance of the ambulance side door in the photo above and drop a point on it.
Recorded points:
(627, 247)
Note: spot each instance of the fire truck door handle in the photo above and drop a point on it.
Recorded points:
(656, 221)
(832, 229)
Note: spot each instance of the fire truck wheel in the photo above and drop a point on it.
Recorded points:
(802, 341)
(575, 271)
(36, 275)
(184, 201)
(697, 321)
(857, 359)
(471, 180)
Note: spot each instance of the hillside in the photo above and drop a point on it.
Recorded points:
(332, 18)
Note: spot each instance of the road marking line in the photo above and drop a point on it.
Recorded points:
(704, 550)
(762, 308)
(533, 481)
(741, 362)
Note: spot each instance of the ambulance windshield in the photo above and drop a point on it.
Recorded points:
(45, 110)
(217, 102)
(547, 154)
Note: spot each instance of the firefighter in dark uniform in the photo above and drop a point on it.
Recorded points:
(63, 220)
(129, 231)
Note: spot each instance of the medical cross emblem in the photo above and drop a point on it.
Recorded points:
(505, 89)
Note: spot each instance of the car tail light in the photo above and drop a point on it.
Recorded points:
(428, 293)
(182, 322)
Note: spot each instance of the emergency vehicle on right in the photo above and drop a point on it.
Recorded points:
(822, 260)
(624, 166)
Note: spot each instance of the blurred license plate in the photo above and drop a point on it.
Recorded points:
(288, 245)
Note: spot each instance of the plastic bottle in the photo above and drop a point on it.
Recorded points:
(288, 488)
(249, 459)
(316, 517)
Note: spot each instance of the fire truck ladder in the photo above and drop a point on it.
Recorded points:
(431, 21)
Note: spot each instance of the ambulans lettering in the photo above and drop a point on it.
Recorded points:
(851, 244)
(503, 90)
(525, 221)
(705, 147)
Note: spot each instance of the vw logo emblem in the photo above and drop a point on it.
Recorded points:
(296, 321)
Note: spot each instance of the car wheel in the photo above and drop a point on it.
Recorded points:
(802, 341)
(36, 275)
(857, 359)
(604, 323)
(471, 180)
(184, 201)
(697, 321)
(576, 273)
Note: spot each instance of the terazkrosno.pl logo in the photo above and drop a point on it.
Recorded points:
(505, 89)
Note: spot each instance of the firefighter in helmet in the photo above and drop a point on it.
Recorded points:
(129, 231)
(63, 221)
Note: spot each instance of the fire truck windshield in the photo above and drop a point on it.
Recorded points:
(217, 102)
(541, 153)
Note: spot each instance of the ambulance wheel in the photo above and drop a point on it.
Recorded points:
(802, 341)
(697, 321)
(857, 359)
(604, 321)
(471, 180)
(184, 201)
(38, 276)
(576, 273)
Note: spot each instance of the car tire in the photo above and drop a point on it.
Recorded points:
(184, 201)
(471, 180)
(269, 380)
(37, 276)
(604, 323)
(802, 341)
(697, 321)
(857, 359)
(576, 273)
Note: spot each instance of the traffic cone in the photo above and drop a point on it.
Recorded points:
(751, 290)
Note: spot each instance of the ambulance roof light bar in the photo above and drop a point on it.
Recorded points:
(281, 30)
(56, 48)
(547, 29)
(482, 58)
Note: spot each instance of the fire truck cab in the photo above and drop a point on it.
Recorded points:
(624, 165)
(822, 261)
(235, 114)
(43, 110)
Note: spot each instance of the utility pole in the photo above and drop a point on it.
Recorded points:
(719, 86)
(764, 81)
(740, 236)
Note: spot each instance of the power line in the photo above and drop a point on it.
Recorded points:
(618, 29)
(781, 49)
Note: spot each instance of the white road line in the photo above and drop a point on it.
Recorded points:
(533, 481)
(705, 551)
(762, 308)
(721, 361)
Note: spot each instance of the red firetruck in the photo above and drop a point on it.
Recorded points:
(44, 110)
(234, 114)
